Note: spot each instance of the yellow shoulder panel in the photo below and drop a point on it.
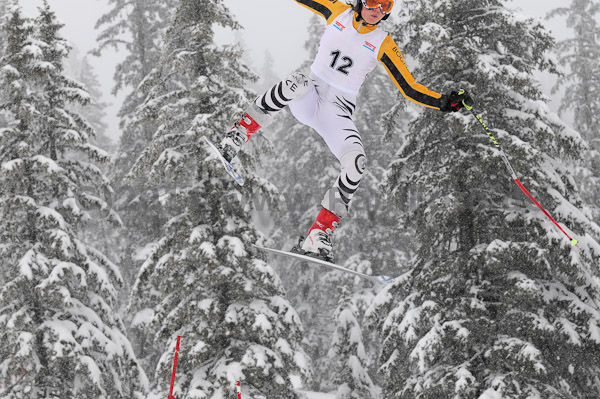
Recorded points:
(328, 9)
(391, 57)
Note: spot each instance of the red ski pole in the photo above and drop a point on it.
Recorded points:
(174, 368)
(239, 390)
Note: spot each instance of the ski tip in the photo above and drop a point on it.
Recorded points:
(385, 279)
(237, 178)
(207, 140)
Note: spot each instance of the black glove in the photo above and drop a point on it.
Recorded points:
(455, 101)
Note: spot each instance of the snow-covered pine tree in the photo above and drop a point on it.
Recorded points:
(3, 45)
(106, 236)
(3, 11)
(4, 6)
(498, 304)
(138, 26)
(581, 85)
(201, 280)
(59, 333)
(347, 353)
(94, 112)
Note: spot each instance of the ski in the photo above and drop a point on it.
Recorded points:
(317, 261)
(227, 165)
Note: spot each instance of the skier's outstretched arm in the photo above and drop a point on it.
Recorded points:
(391, 57)
(328, 9)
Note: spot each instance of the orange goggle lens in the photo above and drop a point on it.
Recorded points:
(385, 5)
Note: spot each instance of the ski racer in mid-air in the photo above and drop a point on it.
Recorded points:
(351, 47)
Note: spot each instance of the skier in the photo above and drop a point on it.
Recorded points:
(350, 48)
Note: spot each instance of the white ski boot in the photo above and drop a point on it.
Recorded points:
(242, 131)
(234, 141)
(318, 242)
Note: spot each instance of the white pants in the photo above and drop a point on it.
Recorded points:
(329, 112)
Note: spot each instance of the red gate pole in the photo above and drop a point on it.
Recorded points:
(174, 368)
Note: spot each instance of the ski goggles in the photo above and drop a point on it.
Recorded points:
(384, 5)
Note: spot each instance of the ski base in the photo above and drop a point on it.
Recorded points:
(317, 261)
(227, 165)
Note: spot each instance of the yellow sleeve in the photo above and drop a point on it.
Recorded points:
(328, 9)
(391, 57)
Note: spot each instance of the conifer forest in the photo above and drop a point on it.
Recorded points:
(114, 244)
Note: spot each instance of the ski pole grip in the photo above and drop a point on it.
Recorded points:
(467, 102)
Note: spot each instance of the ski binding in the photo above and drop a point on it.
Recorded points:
(226, 164)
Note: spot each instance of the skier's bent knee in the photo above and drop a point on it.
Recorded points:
(297, 85)
(354, 163)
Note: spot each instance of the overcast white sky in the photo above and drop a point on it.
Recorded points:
(275, 25)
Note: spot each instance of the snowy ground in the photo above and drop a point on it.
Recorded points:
(319, 395)
(309, 395)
